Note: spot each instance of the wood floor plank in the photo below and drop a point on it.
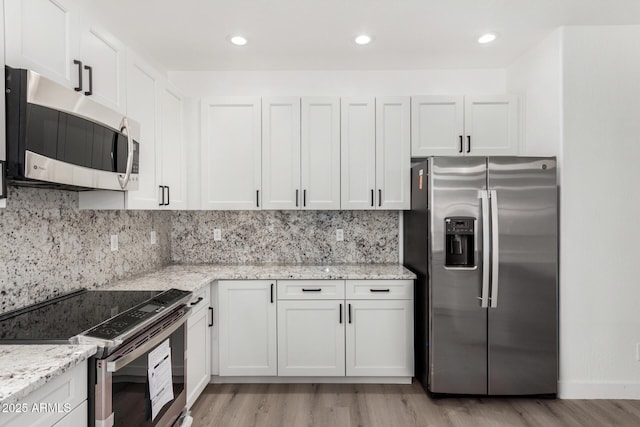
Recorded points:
(389, 405)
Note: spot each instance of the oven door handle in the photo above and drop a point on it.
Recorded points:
(115, 365)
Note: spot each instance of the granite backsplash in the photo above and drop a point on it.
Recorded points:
(290, 237)
(48, 247)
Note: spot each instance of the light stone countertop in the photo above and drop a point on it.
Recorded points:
(194, 277)
(25, 368)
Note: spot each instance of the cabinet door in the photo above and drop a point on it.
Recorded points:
(76, 418)
(393, 153)
(106, 57)
(491, 125)
(141, 107)
(379, 338)
(247, 328)
(358, 153)
(198, 354)
(231, 154)
(311, 338)
(437, 126)
(41, 35)
(281, 153)
(320, 153)
(172, 151)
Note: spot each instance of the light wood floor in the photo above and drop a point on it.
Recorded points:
(369, 405)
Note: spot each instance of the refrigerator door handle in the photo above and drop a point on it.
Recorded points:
(495, 248)
(483, 195)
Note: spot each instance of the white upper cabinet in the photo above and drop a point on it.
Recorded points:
(301, 153)
(231, 154)
(141, 107)
(470, 125)
(491, 125)
(320, 153)
(57, 39)
(41, 35)
(281, 153)
(376, 157)
(358, 153)
(393, 153)
(171, 149)
(104, 65)
(437, 125)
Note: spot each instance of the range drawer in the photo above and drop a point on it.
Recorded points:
(310, 289)
(379, 289)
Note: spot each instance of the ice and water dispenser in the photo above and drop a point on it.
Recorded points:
(460, 244)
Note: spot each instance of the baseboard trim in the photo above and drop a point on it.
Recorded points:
(308, 380)
(598, 390)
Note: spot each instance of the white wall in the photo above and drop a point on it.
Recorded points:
(537, 77)
(341, 83)
(599, 284)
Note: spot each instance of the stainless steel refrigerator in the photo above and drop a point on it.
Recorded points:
(482, 238)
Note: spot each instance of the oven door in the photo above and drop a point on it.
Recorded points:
(124, 394)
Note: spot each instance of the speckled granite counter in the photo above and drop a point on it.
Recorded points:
(193, 277)
(25, 368)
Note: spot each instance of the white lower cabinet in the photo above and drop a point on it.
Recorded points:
(76, 418)
(61, 402)
(198, 345)
(324, 328)
(379, 338)
(379, 332)
(247, 327)
(310, 338)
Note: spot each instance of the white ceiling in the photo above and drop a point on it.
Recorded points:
(318, 34)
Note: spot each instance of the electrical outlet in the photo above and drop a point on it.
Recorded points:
(154, 238)
(339, 235)
(114, 242)
(217, 234)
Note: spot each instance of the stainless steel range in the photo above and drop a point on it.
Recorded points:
(137, 377)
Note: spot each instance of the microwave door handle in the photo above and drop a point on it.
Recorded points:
(124, 180)
(484, 200)
(495, 248)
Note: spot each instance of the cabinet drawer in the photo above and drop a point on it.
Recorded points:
(379, 289)
(310, 289)
(200, 300)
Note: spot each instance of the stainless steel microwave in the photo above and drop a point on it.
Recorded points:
(57, 137)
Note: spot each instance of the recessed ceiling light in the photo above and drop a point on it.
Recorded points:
(486, 38)
(363, 39)
(238, 40)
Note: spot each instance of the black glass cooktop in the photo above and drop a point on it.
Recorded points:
(59, 319)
